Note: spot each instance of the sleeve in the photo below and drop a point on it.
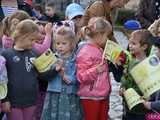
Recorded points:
(86, 73)
(49, 75)
(156, 105)
(116, 70)
(95, 10)
(72, 74)
(40, 48)
(140, 14)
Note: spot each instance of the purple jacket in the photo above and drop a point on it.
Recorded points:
(7, 42)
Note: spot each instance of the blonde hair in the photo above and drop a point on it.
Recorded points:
(24, 29)
(17, 17)
(153, 28)
(97, 25)
(68, 34)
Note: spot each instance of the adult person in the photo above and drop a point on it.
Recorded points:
(148, 12)
(7, 7)
(103, 8)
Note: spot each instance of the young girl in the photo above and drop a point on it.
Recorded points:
(92, 71)
(61, 102)
(139, 47)
(11, 22)
(22, 76)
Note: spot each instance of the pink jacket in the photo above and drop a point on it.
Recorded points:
(7, 42)
(92, 84)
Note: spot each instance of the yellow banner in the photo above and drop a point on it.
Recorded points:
(132, 98)
(147, 75)
(45, 61)
(112, 51)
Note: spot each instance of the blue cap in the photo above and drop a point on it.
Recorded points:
(132, 25)
(74, 10)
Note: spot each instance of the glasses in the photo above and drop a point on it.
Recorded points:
(62, 24)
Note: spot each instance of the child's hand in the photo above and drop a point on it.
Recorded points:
(147, 104)
(48, 28)
(6, 107)
(66, 79)
(59, 65)
(100, 68)
(121, 91)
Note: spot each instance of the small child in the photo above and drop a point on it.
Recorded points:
(50, 10)
(20, 103)
(139, 47)
(92, 71)
(61, 102)
(9, 24)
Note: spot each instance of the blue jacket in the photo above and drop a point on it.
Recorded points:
(58, 85)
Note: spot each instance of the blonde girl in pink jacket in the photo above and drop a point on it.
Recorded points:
(92, 71)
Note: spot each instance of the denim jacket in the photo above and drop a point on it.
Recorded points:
(58, 85)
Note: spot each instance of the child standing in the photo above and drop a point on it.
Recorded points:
(92, 71)
(9, 24)
(22, 88)
(61, 102)
(139, 47)
(50, 10)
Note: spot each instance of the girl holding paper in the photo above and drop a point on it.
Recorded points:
(139, 47)
(92, 71)
(62, 102)
(20, 101)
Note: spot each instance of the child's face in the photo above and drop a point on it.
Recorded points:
(50, 11)
(13, 24)
(63, 46)
(134, 44)
(78, 21)
(102, 38)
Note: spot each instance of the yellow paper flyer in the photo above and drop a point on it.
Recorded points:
(45, 61)
(132, 98)
(147, 75)
(112, 51)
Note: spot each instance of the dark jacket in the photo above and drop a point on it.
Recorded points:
(146, 13)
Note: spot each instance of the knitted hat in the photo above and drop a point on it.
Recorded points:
(132, 25)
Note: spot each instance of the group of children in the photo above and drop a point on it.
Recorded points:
(78, 83)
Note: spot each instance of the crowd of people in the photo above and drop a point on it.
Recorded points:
(78, 85)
